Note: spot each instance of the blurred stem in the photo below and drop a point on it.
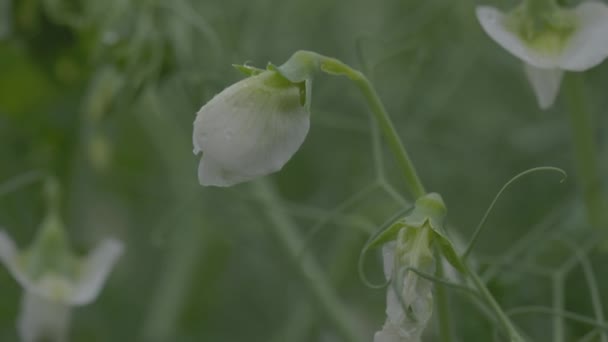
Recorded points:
(299, 326)
(287, 233)
(558, 306)
(584, 149)
(187, 246)
(332, 66)
(174, 285)
(505, 321)
(443, 308)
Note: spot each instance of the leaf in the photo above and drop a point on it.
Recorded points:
(247, 69)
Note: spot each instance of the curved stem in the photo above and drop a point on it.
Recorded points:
(584, 149)
(310, 60)
(392, 137)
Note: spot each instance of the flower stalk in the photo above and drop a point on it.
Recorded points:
(305, 62)
(585, 152)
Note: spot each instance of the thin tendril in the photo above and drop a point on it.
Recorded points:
(550, 311)
(504, 187)
(366, 247)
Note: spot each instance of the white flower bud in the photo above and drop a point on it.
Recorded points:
(549, 43)
(250, 129)
(409, 300)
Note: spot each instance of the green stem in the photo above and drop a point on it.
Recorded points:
(287, 233)
(584, 148)
(306, 62)
(504, 320)
(390, 134)
(558, 306)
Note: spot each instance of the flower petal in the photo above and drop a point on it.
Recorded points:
(211, 173)
(250, 129)
(96, 269)
(9, 255)
(588, 46)
(42, 319)
(493, 23)
(388, 255)
(545, 83)
(8, 252)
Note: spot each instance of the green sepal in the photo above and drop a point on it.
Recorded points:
(305, 86)
(248, 70)
(428, 210)
(50, 251)
(448, 251)
(431, 208)
(300, 67)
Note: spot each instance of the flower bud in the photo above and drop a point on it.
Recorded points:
(250, 129)
(409, 302)
(407, 246)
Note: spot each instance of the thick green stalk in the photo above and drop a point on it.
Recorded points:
(287, 233)
(585, 152)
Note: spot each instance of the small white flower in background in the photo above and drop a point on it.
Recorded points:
(550, 39)
(54, 279)
(250, 129)
(409, 301)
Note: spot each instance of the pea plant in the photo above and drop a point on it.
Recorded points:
(136, 242)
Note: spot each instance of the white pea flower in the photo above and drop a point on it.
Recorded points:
(550, 40)
(54, 279)
(409, 302)
(250, 129)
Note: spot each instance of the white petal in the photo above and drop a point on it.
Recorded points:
(9, 255)
(249, 130)
(388, 256)
(545, 83)
(394, 308)
(493, 23)
(588, 46)
(95, 270)
(211, 173)
(42, 319)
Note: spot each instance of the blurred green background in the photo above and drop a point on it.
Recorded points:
(103, 94)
